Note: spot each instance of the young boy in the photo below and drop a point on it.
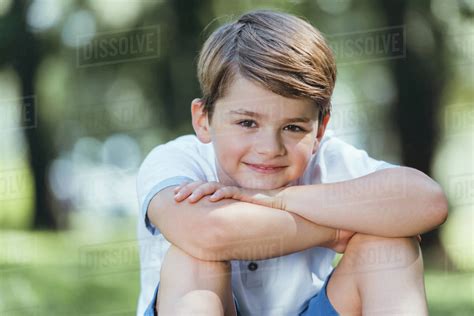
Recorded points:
(250, 212)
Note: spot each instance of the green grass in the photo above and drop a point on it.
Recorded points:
(450, 293)
(96, 273)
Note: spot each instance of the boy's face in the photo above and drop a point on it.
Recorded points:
(262, 140)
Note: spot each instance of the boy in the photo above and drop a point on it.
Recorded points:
(250, 212)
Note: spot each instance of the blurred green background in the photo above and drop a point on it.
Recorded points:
(88, 88)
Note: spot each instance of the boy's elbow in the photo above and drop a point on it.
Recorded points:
(432, 198)
(438, 211)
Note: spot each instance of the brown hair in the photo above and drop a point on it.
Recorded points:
(285, 54)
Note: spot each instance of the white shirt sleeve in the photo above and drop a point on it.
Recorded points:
(340, 161)
(167, 165)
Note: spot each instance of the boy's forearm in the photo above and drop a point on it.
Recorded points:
(247, 231)
(395, 202)
(231, 229)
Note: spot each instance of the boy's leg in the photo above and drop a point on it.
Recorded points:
(189, 286)
(379, 276)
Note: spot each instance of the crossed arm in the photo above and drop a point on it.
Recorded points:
(234, 230)
(396, 202)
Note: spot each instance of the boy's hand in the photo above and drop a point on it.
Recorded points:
(194, 191)
(342, 239)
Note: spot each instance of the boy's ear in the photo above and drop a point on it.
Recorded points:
(321, 129)
(200, 121)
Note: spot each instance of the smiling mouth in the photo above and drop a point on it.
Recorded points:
(265, 169)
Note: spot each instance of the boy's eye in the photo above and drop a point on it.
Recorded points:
(252, 124)
(247, 123)
(294, 128)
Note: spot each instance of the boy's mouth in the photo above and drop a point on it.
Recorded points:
(265, 169)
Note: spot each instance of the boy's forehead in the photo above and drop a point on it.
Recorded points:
(246, 95)
(274, 106)
(251, 102)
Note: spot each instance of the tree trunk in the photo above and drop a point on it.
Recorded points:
(177, 68)
(26, 59)
(420, 80)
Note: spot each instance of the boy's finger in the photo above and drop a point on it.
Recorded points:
(216, 196)
(224, 193)
(190, 187)
(205, 189)
(179, 196)
(229, 192)
(177, 188)
(186, 190)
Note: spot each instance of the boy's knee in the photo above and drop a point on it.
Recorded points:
(364, 241)
(190, 286)
(196, 302)
(200, 302)
(367, 252)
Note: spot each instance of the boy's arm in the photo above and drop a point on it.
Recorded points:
(234, 230)
(395, 202)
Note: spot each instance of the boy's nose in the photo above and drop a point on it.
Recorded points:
(270, 144)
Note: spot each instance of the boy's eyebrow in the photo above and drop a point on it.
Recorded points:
(258, 115)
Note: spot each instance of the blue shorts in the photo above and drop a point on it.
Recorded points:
(318, 305)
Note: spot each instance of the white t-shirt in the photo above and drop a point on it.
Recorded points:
(279, 286)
